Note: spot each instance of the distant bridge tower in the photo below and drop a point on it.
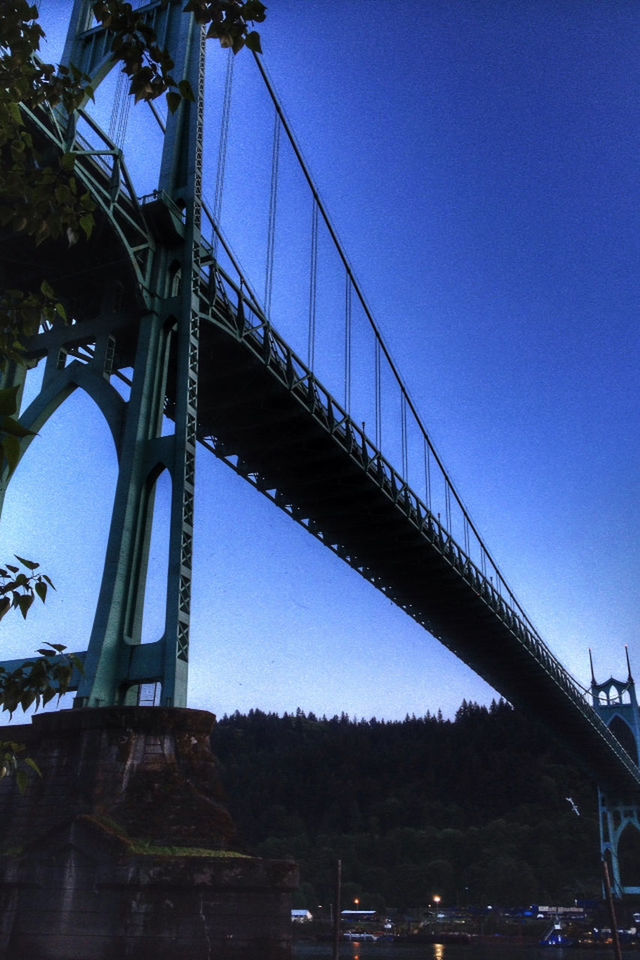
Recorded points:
(132, 293)
(616, 703)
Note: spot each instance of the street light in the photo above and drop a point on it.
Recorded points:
(436, 903)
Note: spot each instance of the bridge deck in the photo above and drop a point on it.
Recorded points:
(262, 412)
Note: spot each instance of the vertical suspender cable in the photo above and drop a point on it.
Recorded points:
(222, 148)
(347, 344)
(405, 454)
(120, 111)
(273, 202)
(427, 472)
(313, 282)
(381, 345)
(378, 396)
(124, 120)
(116, 107)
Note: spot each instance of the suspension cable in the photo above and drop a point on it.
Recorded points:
(484, 550)
(313, 286)
(273, 203)
(119, 111)
(347, 344)
(405, 452)
(378, 387)
(223, 145)
(427, 472)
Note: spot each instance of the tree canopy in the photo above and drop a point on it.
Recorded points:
(474, 809)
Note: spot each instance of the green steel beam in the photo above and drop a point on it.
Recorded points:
(138, 319)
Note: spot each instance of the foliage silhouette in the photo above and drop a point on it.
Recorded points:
(473, 809)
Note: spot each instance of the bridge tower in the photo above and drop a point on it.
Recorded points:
(616, 703)
(131, 292)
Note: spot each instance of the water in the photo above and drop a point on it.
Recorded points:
(440, 951)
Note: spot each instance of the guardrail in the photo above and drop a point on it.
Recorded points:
(244, 321)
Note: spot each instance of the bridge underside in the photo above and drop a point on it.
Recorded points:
(261, 425)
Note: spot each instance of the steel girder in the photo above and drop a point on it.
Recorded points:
(131, 292)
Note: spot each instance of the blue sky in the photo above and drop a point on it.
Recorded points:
(480, 163)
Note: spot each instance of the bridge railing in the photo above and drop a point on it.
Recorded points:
(237, 312)
(243, 313)
(98, 164)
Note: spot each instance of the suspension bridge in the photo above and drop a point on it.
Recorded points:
(182, 338)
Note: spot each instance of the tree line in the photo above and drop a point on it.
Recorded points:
(473, 809)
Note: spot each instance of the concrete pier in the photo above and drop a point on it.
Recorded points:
(124, 847)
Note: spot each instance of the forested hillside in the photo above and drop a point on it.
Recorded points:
(473, 809)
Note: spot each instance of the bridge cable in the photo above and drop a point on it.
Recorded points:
(313, 285)
(347, 344)
(405, 454)
(427, 472)
(484, 551)
(222, 148)
(273, 203)
(378, 396)
(120, 111)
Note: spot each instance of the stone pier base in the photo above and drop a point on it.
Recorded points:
(122, 850)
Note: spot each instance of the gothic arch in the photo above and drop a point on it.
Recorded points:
(58, 388)
(629, 854)
(624, 735)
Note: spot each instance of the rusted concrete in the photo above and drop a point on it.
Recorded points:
(81, 877)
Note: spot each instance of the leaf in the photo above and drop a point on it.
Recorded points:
(254, 10)
(41, 590)
(26, 700)
(67, 163)
(34, 766)
(29, 564)
(10, 447)
(253, 41)
(86, 223)
(5, 606)
(9, 401)
(15, 113)
(14, 427)
(24, 602)
(186, 91)
(47, 291)
(173, 100)
(22, 780)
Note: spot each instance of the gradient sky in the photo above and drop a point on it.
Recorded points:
(479, 160)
